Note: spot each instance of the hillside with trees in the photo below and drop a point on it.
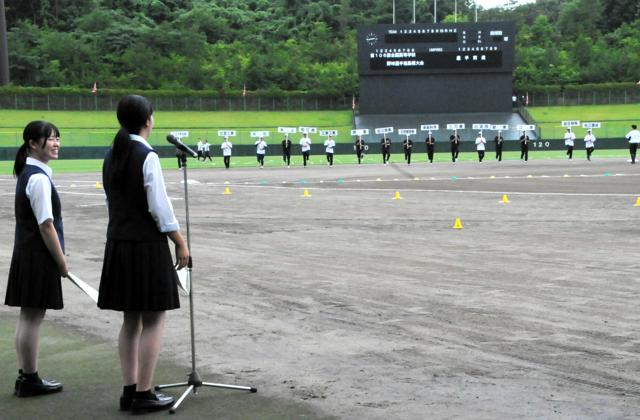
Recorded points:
(274, 45)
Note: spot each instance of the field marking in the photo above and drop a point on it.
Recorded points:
(452, 191)
(452, 178)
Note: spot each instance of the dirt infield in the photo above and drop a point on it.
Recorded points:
(369, 307)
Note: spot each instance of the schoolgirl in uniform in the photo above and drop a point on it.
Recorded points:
(138, 275)
(38, 259)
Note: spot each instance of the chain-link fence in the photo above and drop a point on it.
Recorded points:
(105, 102)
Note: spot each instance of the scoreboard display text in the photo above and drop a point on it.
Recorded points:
(436, 48)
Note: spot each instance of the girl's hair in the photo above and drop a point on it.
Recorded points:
(38, 131)
(133, 113)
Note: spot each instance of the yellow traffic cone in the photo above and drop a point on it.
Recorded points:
(306, 193)
(505, 199)
(637, 203)
(98, 186)
(457, 224)
(227, 191)
(397, 196)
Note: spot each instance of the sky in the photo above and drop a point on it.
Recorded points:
(495, 3)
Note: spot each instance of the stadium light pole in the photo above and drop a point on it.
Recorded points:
(394, 11)
(414, 12)
(435, 8)
(4, 48)
(455, 11)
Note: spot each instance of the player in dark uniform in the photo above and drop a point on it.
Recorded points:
(286, 150)
(455, 145)
(499, 141)
(524, 146)
(431, 145)
(407, 145)
(385, 143)
(359, 146)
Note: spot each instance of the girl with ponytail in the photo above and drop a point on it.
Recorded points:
(38, 259)
(138, 274)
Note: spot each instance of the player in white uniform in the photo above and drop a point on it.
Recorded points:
(589, 143)
(226, 152)
(569, 138)
(634, 138)
(329, 145)
(261, 150)
(305, 147)
(480, 146)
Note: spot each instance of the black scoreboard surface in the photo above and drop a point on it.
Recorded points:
(436, 48)
(438, 67)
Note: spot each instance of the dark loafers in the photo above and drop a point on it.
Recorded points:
(155, 402)
(30, 388)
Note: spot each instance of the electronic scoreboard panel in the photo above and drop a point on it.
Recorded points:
(436, 68)
(436, 48)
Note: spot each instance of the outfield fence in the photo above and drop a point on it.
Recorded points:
(105, 102)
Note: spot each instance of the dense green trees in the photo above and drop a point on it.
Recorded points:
(291, 44)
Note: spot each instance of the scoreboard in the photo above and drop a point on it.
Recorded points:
(436, 67)
(436, 48)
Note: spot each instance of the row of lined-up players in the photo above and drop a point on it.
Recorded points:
(454, 139)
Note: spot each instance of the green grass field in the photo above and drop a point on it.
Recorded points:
(616, 119)
(88, 128)
(95, 165)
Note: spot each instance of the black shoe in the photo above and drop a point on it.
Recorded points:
(18, 380)
(26, 387)
(125, 402)
(155, 402)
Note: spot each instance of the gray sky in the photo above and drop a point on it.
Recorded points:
(494, 3)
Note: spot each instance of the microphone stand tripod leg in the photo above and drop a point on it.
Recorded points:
(173, 409)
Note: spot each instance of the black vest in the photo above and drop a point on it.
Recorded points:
(27, 230)
(129, 217)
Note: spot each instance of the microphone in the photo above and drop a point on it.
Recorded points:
(180, 145)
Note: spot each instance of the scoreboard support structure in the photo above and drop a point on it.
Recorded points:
(436, 68)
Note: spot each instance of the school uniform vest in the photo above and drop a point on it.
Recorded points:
(27, 234)
(129, 216)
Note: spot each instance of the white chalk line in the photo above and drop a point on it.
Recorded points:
(451, 178)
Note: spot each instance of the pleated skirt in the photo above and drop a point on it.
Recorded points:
(34, 280)
(138, 276)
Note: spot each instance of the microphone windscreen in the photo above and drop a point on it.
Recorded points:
(171, 139)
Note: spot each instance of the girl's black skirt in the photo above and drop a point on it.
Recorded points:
(138, 276)
(34, 280)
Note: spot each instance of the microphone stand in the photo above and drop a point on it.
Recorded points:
(194, 381)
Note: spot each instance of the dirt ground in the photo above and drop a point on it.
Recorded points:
(367, 307)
